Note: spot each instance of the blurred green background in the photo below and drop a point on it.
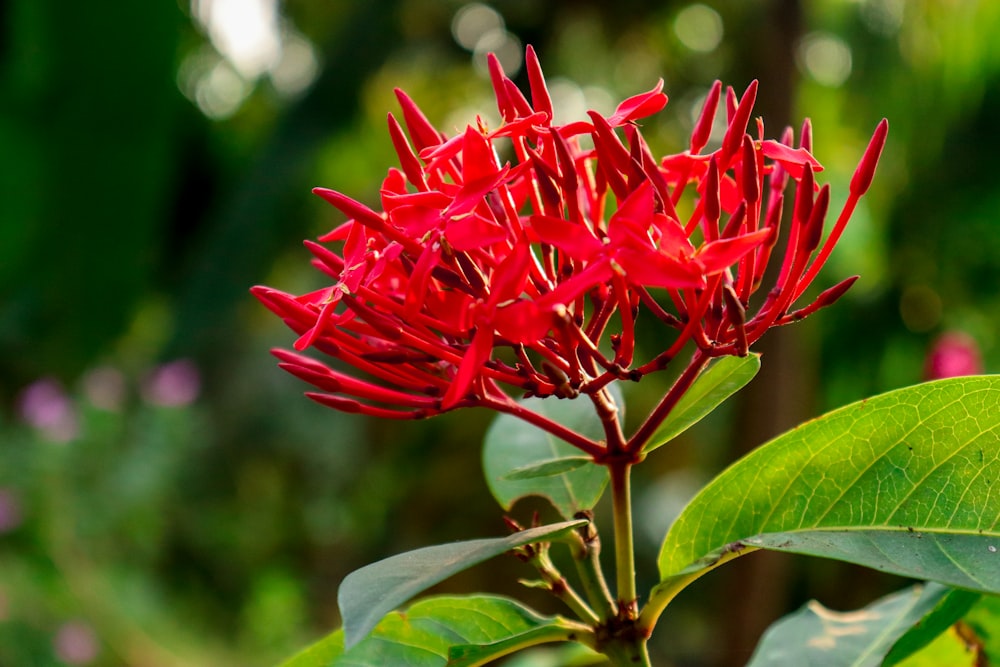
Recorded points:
(168, 498)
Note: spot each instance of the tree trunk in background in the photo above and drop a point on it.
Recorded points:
(781, 396)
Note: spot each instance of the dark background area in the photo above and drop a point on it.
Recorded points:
(168, 498)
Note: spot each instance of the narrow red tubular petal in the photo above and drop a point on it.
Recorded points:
(738, 124)
(863, 175)
(356, 407)
(536, 80)
(805, 136)
(804, 196)
(827, 297)
(749, 182)
(737, 316)
(703, 127)
(517, 99)
(331, 261)
(813, 231)
(335, 382)
(421, 130)
(352, 209)
(551, 200)
(711, 201)
(407, 158)
(386, 326)
(651, 170)
(735, 223)
(497, 78)
(606, 139)
(639, 106)
(773, 221)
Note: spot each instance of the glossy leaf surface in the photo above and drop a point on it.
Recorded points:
(459, 631)
(368, 594)
(723, 378)
(513, 449)
(907, 482)
(819, 637)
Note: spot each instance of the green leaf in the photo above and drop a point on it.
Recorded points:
(548, 468)
(513, 446)
(819, 637)
(368, 594)
(950, 608)
(723, 378)
(953, 648)
(320, 654)
(455, 631)
(907, 482)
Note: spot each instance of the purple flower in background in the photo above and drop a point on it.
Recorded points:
(10, 511)
(75, 643)
(175, 383)
(953, 354)
(45, 406)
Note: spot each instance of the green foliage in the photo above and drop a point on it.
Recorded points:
(819, 637)
(865, 484)
(439, 631)
(520, 460)
(723, 378)
(371, 592)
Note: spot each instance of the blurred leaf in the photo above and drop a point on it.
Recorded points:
(819, 637)
(984, 619)
(548, 468)
(513, 446)
(905, 482)
(453, 631)
(320, 654)
(722, 379)
(957, 647)
(949, 609)
(369, 593)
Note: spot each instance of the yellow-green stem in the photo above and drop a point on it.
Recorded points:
(621, 495)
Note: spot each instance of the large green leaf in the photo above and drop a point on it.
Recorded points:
(907, 482)
(320, 654)
(368, 594)
(722, 379)
(514, 451)
(455, 631)
(819, 637)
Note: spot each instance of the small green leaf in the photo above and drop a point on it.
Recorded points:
(907, 482)
(721, 380)
(514, 445)
(455, 631)
(320, 654)
(950, 608)
(368, 594)
(819, 637)
(548, 468)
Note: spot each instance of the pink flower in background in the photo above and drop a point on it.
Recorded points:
(517, 260)
(173, 384)
(75, 643)
(45, 405)
(953, 354)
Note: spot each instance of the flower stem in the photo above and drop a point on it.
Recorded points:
(621, 495)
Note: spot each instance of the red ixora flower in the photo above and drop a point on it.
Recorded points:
(517, 260)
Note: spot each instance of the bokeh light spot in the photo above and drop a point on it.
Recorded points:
(825, 58)
(699, 28)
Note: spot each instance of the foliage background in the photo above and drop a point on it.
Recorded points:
(154, 166)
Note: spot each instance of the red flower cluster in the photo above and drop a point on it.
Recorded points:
(519, 258)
